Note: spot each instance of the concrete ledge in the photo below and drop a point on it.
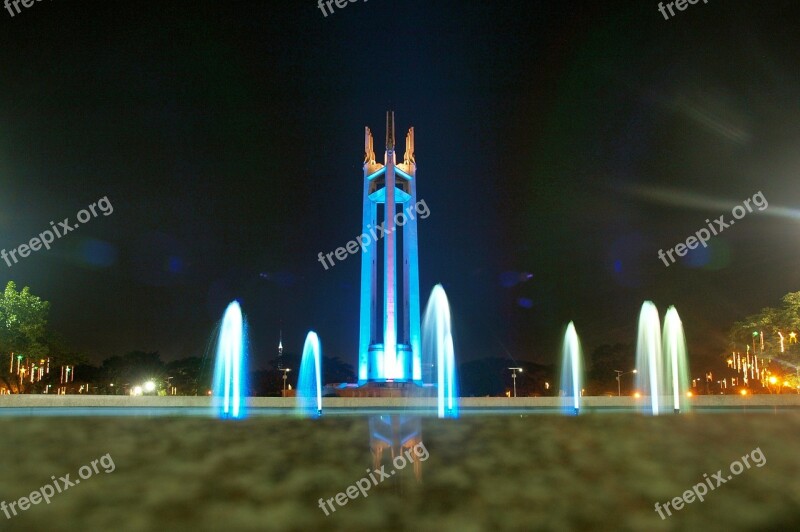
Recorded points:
(121, 401)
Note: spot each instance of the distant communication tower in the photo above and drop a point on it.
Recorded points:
(280, 351)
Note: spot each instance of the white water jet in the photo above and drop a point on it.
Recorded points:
(437, 344)
(675, 355)
(572, 369)
(649, 378)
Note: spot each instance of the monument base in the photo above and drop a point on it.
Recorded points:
(385, 389)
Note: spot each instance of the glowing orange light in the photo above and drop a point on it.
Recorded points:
(637, 395)
(773, 380)
(743, 392)
(689, 394)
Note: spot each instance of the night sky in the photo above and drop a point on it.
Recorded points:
(559, 146)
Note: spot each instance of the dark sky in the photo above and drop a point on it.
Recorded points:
(566, 140)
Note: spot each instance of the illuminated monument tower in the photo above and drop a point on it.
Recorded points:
(389, 346)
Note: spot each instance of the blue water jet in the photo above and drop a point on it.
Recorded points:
(230, 383)
(309, 382)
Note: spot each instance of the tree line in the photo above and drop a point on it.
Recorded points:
(28, 349)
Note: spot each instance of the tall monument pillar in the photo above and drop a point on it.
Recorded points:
(388, 353)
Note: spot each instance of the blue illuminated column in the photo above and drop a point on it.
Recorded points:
(411, 261)
(369, 262)
(384, 352)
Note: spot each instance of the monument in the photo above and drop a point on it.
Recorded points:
(389, 358)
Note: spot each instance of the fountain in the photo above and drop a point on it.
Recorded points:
(571, 370)
(437, 344)
(661, 360)
(230, 384)
(674, 350)
(650, 375)
(309, 381)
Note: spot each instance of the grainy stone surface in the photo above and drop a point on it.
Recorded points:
(594, 472)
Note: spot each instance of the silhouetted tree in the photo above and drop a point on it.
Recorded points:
(268, 383)
(190, 376)
(601, 378)
(335, 370)
(491, 376)
(134, 368)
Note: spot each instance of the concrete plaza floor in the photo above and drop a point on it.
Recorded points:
(600, 471)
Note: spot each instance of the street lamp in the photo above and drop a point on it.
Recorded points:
(772, 380)
(514, 378)
(285, 372)
(620, 374)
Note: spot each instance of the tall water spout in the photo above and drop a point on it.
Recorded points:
(229, 387)
(650, 376)
(309, 381)
(437, 344)
(675, 355)
(571, 370)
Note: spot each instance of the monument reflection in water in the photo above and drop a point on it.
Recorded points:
(396, 443)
